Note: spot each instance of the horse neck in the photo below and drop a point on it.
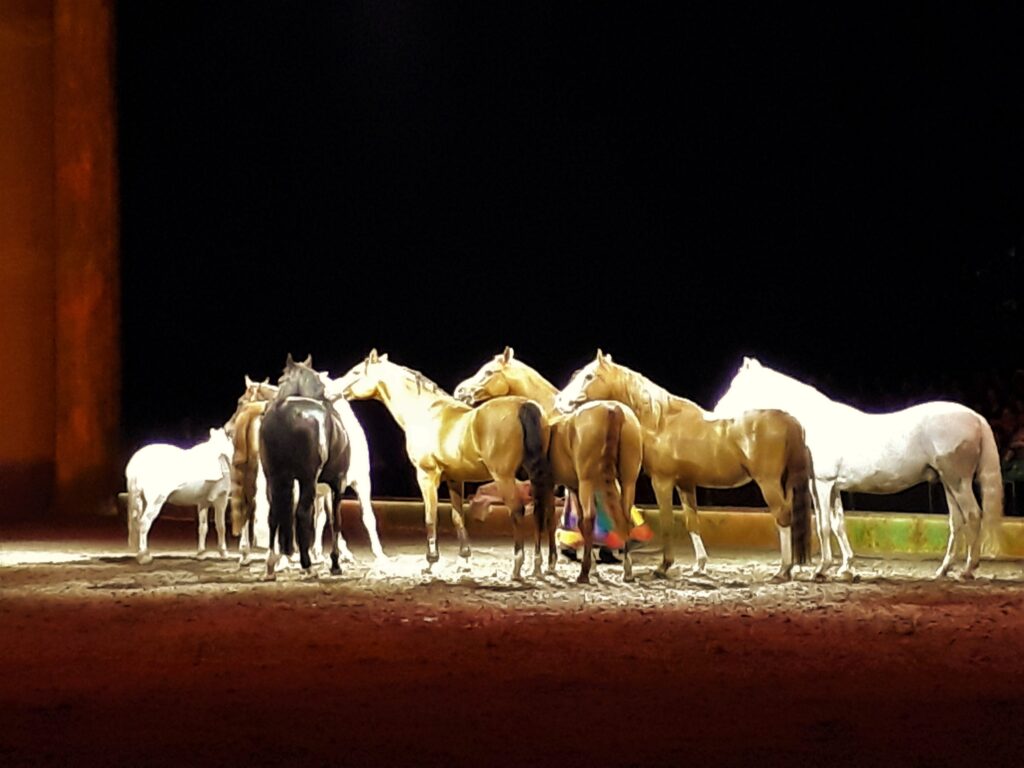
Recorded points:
(651, 401)
(534, 386)
(406, 400)
(800, 399)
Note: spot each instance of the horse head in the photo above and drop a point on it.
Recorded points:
(361, 382)
(300, 380)
(490, 381)
(591, 382)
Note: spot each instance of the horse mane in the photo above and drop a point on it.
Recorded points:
(661, 402)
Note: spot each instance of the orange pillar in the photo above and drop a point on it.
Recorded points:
(88, 357)
(59, 275)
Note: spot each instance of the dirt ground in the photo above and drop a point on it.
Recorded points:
(188, 662)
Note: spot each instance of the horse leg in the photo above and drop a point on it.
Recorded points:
(821, 494)
(149, 514)
(456, 492)
(688, 500)
(956, 521)
(663, 495)
(362, 490)
(839, 526)
(244, 548)
(333, 517)
(204, 527)
(510, 495)
(320, 513)
(428, 489)
(220, 505)
(628, 484)
(552, 526)
(586, 507)
(304, 521)
(775, 498)
(279, 517)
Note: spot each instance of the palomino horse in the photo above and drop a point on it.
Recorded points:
(684, 447)
(883, 453)
(446, 439)
(247, 503)
(595, 450)
(159, 473)
(301, 440)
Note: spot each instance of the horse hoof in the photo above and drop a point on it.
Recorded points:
(144, 558)
(819, 576)
(335, 570)
(966, 576)
(202, 554)
(270, 576)
(660, 573)
(628, 578)
(583, 579)
(780, 578)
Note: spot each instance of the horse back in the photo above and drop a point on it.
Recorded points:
(300, 435)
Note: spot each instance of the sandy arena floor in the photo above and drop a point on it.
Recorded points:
(187, 662)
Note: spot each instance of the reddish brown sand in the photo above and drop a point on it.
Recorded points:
(186, 662)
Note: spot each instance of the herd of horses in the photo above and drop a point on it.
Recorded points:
(294, 447)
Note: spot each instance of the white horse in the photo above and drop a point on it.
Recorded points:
(159, 473)
(883, 453)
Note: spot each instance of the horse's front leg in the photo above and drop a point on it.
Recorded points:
(839, 526)
(428, 489)
(821, 495)
(220, 506)
(456, 493)
(204, 527)
(628, 484)
(663, 495)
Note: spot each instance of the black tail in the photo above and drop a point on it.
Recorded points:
(798, 476)
(536, 462)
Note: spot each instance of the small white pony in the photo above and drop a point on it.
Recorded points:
(159, 473)
(883, 453)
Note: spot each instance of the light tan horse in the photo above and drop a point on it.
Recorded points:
(449, 440)
(685, 447)
(596, 449)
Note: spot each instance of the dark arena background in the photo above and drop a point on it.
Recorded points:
(194, 191)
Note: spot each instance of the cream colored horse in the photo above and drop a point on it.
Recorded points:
(596, 449)
(446, 439)
(685, 447)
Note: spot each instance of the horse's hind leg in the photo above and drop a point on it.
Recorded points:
(362, 489)
(333, 518)
(956, 521)
(510, 495)
(688, 500)
(663, 494)
(775, 498)
(586, 507)
(279, 520)
(149, 514)
(304, 520)
(456, 492)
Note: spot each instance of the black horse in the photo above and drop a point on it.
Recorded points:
(301, 439)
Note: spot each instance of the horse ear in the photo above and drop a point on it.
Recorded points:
(755, 363)
(248, 382)
(309, 360)
(600, 355)
(289, 362)
(506, 356)
(372, 357)
(266, 381)
(383, 357)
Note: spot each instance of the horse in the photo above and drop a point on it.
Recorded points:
(595, 450)
(447, 439)
(159, 473)
(685, 447)
(301, 439)
(247, 477)
(884, 453)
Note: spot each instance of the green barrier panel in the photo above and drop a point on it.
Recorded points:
(870, 533)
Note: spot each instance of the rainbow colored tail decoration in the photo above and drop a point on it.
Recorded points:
(569, 536)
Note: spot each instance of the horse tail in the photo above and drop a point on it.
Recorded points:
(536, 434)
(134, 509)
(990, 480)
(244, 466)
(797, 476)
(610, 489)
